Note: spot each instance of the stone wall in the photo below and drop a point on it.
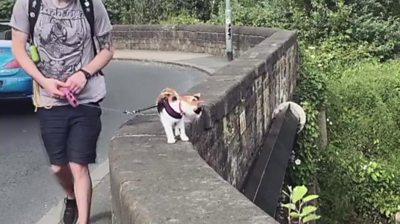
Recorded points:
(241, 98)
(189, 38)
(153, 182)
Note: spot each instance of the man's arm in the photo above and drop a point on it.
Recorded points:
(77, 82)
(102, 28)
(104, 56)
(19, 40)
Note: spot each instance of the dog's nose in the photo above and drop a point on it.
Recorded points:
(198, 110)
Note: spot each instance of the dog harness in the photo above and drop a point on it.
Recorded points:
(170, 111)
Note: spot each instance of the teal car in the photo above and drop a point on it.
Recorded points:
(15, 83)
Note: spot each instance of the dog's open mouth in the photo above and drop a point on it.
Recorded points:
(198, 111)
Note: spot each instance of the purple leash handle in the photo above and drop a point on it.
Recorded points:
(70, 97)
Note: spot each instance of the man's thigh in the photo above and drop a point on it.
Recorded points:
(85, 128)
(54, 131)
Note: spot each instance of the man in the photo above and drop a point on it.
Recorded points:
(62, 36)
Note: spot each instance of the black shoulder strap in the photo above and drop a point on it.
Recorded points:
(87, 7)
(33, 14)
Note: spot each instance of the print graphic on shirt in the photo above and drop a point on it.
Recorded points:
(61, 35)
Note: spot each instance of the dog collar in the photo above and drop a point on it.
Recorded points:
(171, 112)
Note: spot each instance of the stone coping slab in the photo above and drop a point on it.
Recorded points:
(170, 183)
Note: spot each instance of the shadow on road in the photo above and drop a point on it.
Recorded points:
(104, 217)
(16, 108)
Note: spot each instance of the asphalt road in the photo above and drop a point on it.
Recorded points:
(27, 190)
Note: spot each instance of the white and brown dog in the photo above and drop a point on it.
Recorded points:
(175, 111)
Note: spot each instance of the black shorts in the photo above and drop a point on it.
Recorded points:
(70, 134)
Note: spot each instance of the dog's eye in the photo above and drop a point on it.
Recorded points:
(194, 100)
(174, 98)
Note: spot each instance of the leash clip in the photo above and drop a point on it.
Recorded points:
(127, 112)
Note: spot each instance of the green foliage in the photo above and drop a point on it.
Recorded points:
(155, 11)
(135, 11)
(361, 164)
(299, 209)
(184, 18)
(6, 9)
(367, 93)
(345, 23)
(307, 154)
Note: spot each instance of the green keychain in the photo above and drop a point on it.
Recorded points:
(34, 53)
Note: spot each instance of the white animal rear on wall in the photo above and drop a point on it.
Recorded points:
(297, 111)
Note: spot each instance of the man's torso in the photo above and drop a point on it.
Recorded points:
(62, 36)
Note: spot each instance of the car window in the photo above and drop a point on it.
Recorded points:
(4, 27)
(5, 32)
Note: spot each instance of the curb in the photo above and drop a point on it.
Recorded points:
(177, 63)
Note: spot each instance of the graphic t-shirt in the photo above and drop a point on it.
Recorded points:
(62, 35)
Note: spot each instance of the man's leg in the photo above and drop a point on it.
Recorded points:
(54, 130)
(85, 127)
(83, 191)
(64, 178)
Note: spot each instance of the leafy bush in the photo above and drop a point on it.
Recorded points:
(184, 18)
(155, 11)
(360, 170)
(341, 22)
(300, 209)
(5, 9)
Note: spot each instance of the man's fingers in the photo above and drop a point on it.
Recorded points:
(79, 90)
(75, 90)
(62, 84)
(59, 94)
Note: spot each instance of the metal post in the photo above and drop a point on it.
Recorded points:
(228, 31)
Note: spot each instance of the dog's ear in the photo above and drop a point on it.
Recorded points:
(163, 96)
(197, 96)
(167, 89)
(170, 90)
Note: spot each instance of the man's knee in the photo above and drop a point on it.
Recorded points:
(79, 170)
(59, 169)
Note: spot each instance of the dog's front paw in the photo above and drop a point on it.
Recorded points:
(171, 141)
(184, 138)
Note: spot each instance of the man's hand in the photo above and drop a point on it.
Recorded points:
(76, 82)
(53, 87)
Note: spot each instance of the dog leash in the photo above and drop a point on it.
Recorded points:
(127, 112)
(74, 103)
